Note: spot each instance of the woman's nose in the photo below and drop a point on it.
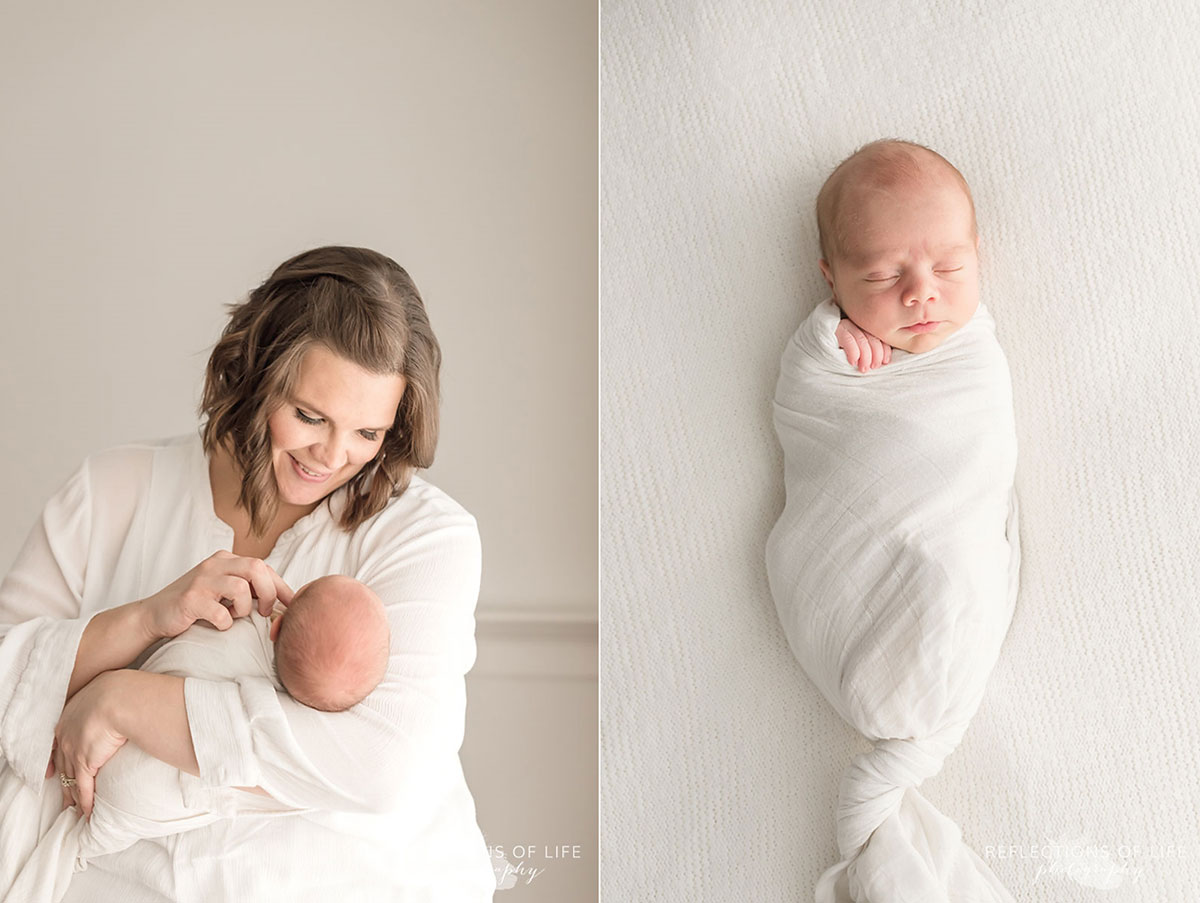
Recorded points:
(331, 454)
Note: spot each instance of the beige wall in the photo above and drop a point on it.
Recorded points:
(158, 161)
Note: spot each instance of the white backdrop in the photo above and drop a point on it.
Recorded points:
(1077, 126)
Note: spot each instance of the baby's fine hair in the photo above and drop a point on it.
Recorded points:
(880, 164)
(332, 663)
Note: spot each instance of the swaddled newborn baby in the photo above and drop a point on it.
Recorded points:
(894, 564)
(328, 649)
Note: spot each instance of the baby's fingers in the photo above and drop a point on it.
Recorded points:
(848, 342)
(877, 347)
(866, 359)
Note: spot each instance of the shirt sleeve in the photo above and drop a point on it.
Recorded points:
(382, 754)
(40, 627)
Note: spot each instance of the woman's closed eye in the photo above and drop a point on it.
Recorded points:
(369, 435)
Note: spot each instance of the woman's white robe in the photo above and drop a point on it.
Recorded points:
(381, 807)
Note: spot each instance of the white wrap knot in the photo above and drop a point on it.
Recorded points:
(895, 846)
(874, 784)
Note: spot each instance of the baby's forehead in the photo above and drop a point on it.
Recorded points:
(863, 254)
(869, 182)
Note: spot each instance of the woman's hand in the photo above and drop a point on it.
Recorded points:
(86, 738)
(140, 706)
(220, 588)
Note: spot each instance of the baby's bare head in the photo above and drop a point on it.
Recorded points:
(881, 165)
(332, 643)
(899, 244)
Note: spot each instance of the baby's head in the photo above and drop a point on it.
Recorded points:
(899, 245)
(331, 643)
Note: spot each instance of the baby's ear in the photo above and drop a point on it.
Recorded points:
(275, 622)
(826, 271)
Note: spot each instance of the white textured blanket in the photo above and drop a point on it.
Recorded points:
(894, 569)
(137, 796)
(1076, 125)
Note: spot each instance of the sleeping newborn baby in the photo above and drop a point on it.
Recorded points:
(894, 564)
(328, 649)
(899, 250)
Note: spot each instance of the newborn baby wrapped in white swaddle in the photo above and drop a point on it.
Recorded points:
(894, 564)
(331, 649)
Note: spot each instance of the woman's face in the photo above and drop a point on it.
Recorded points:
(330, 426)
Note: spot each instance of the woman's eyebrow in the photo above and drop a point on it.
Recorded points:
(312, 410)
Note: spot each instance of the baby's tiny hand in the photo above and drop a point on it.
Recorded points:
(863, 350)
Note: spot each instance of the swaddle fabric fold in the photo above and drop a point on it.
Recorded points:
(894, 570)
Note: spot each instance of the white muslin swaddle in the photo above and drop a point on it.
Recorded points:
(894, 571)
(137, 796)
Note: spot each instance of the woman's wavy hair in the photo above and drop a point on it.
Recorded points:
(356, 303)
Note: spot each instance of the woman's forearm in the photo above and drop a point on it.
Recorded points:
(149, 710)
(111, 640)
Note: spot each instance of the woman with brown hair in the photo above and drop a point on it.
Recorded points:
(320, 404)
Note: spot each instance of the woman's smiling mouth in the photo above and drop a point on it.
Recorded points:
(305, 474)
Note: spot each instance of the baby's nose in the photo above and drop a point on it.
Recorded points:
(919, 294)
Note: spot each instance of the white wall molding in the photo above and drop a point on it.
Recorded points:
(536, 643)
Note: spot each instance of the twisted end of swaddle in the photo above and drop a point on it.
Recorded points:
(895, 846)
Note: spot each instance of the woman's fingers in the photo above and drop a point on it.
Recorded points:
(60, 769)
(235, 595)
(219, 615)
(283, 592)
(219, 589)
(267, 585)
(86, 737)
(85, 787)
